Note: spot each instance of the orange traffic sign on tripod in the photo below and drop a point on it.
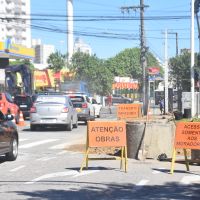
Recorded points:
(106, 134)
(187, 136)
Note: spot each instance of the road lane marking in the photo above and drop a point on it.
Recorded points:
(72, 173)
(62, 152)
(33, 144)
(140, 184)
(53, 175)
(22, 139)
(17, 168)
(186, 180)
(83, 173)
(60, 146)
(45, 158)
(158, 171)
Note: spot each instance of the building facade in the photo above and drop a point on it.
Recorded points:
(15, 23)
(81, 46)
(42, 53)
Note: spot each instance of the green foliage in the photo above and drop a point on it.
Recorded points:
(99, 74)
(22, 62)
(93, 71)
(180, 70)
(56, 61)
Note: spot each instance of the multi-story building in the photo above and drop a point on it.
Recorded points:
(80, 46)
(42, 53)
(15, 24)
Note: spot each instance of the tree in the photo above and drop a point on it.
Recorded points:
(22, 62)
(93, 71)
(56, 61)
(99, 74)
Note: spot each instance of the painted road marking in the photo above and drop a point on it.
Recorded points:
(83, 173)
(140, 184)
(72, 173)
(158, 171)
(33, 144)
(17, 168)
(190, 179)
(21, 140)
(62, 152)
(46, 158)
(60, 146)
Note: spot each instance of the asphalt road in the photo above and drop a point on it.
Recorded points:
(48, 168)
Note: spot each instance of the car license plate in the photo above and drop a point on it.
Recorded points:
(48, 121)
(23, 106)
(78, 109)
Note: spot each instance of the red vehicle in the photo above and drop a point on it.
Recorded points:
(7, 106)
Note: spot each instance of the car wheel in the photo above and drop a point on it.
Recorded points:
(12, 155)
(76, 124)
(70, 126)
(33, 127)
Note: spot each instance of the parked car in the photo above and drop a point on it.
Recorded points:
(8, 137)
(25, 103)
(7, 106)
(53, 110)
(118, 99)
(84, 107)
(97, 106)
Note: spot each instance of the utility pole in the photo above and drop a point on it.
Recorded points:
(143, 47)
(192, 59)
(166, 74)
(176, 34)
(70, 38)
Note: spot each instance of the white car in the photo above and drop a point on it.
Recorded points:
(97, 106)
(85, 109)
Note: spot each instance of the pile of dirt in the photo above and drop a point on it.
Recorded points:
(93, 150)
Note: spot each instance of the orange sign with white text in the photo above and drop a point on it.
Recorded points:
(125, 111)
(187, 135)
(106, 133)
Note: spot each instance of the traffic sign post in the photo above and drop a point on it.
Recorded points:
(106, 134)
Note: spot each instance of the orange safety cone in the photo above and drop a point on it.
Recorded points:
(21, 119)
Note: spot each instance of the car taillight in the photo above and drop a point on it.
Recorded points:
(33, 110)
(65, 110)
(84, 105)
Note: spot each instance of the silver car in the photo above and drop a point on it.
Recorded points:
(51, 110)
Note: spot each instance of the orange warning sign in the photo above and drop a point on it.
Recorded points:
(187, 135)
(125, 111)
(106, 134)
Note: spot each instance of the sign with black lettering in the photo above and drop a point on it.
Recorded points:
(187, 135)
(125, 111)
(106, 134)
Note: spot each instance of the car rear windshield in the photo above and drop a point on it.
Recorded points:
(22, 99)
(77, 99)
(51, 99)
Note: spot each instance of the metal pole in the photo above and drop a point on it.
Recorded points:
(166, 74)
(192, 59)
(143, 59)
(70, 40)
(176, 44)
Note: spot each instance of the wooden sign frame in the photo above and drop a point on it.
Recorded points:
(186, 137)
(90, 144)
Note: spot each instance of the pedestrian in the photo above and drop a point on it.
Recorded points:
(161, 103)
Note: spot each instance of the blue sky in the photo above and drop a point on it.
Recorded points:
(118, 29)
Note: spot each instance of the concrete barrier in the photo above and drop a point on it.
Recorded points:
(159, 139)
